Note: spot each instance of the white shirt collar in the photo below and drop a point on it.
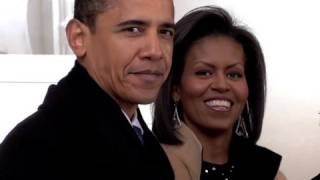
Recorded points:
(135, 121)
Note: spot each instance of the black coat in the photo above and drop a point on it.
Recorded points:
(80, 132)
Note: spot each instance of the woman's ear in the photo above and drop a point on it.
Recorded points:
(76, 34)
(176, 94)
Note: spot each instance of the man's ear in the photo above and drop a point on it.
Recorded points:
(176, 94)
(77, 34)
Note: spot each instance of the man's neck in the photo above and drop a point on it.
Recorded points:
(129, 111)
(129, 118)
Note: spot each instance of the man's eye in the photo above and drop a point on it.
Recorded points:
(203, 73)
(134, 29)
(167, 32)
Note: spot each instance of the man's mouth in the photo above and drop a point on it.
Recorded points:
(149, 76)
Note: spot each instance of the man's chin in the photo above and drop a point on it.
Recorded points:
(146, 100)
(145, 97)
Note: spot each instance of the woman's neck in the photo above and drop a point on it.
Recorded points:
(216, 148)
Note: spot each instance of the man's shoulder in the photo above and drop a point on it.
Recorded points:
(27, 142)
(30, 130)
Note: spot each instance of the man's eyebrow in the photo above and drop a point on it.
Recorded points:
(132, 22)
(145, 23)
(169, 25)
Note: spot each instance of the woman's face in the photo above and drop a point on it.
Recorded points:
(213, 88)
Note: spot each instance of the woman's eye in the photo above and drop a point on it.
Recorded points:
(234, 75)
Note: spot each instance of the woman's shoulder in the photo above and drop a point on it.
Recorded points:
(191, 144)
(244, 146)
(269, 158)
(190, 141)
(266, 153)
(187, 156)
(252, 157)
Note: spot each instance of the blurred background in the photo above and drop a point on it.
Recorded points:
(34, 26)
(34, 54)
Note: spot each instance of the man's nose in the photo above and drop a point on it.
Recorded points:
(153, 48)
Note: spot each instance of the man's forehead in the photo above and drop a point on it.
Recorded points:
(147, 10)
(125, 3)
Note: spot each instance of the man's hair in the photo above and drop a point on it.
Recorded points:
(86, 11)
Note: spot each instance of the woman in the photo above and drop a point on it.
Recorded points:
(217, 87)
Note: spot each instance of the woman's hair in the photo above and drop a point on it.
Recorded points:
(199, 23)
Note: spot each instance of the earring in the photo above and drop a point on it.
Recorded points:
(176, 118)
(241, 129)
(249, 116)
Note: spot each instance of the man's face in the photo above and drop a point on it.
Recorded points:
(129, 54)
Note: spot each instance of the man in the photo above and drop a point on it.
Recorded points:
(84, 128)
